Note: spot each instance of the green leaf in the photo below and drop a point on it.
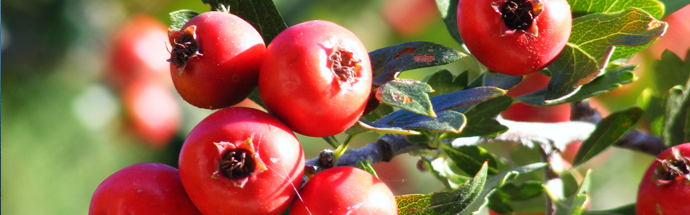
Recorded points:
(366, 166)
(446, 121)
(388, 62)
(409, 95)
(606, 133)
(591, 45)
(449, 9)
(573, 205)
(256, 98)
(670, 71)
(465, 97)
(449, 101)
(470, 158)
(609, 81)
(262, 14)
(480, 118)
(622, 210)
(676, 128)
(526, 190)
(443, 83)
(180, 17)
(453, 202)
(583, 7)
(441, 169)
(671, 6)
(495, 79)
(652, 7)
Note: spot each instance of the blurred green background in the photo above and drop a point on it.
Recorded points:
(63, 128)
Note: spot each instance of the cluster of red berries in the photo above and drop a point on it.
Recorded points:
(314, 78)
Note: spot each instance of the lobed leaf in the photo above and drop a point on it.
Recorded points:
(388, 62)
(180, 17)
(611, 80)
(607, 132)
(573, 205)
(591, 46)
(409, 95)
(670, 71)
(467, 199)
(584, 7)
(445, 202)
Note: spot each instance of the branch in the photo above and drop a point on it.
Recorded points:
(559, 135)
(383, 149)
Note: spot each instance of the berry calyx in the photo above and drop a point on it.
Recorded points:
(184, 47)
(344, 65)
(676, 168)
(237, 163)
(518, 15)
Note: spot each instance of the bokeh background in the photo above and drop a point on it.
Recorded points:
(66, 126)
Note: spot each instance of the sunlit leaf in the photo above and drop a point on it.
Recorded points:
(409, 95)
(180, 17)
(387, 62)
(591, 45)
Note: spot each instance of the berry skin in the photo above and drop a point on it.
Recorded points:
(344, 190)
(514, 37)
(241, 161)
(153, 112)
(139, 50)
(665, 186)
(316, 77)
(215, 60)
(141, 189)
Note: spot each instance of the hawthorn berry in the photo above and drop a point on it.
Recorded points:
(215, 59)
(514, 37)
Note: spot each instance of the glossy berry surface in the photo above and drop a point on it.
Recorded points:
(344, 190)
(316, 77)
(514, 37)
(215, 59)
(241, 161)
(140, 189)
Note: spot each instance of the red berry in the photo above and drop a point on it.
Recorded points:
(316, 77)
(514, 37)
(152, 111)
(145, 188)
(241, 161)
(215, 60)
(344, 190)
(665, 186)
(139, 50)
